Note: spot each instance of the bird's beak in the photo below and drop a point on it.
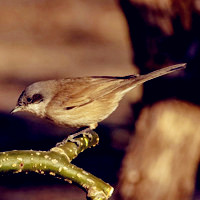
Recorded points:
(16, 109)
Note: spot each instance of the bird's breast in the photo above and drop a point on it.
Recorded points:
(85, 115)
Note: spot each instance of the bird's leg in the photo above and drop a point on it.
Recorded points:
(72, 138)
(93, 126)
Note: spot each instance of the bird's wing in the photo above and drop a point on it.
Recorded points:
(78, 92)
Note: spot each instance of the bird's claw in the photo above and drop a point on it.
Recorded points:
(73, 138)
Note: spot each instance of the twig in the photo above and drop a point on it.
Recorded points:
(56, 162)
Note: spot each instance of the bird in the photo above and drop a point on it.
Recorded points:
(81, 101)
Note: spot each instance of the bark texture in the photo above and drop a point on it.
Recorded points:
(163, 156)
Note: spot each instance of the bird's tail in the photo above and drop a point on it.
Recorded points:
(160, 72)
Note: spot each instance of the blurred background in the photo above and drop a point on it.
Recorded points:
(48, 39)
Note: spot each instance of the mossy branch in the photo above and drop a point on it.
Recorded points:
(56, 162)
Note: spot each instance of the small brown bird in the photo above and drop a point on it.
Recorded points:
(83, 101)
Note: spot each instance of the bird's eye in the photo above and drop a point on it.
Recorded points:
(37, 98)
(28, 99)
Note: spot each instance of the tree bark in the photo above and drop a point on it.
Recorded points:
(163, 156)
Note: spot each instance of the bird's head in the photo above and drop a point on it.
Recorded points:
(35, 98)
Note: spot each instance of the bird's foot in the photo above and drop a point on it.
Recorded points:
(73, 137)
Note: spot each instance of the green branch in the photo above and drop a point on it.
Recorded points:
(56, 162)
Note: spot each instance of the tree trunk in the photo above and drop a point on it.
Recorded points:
(163, 156)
